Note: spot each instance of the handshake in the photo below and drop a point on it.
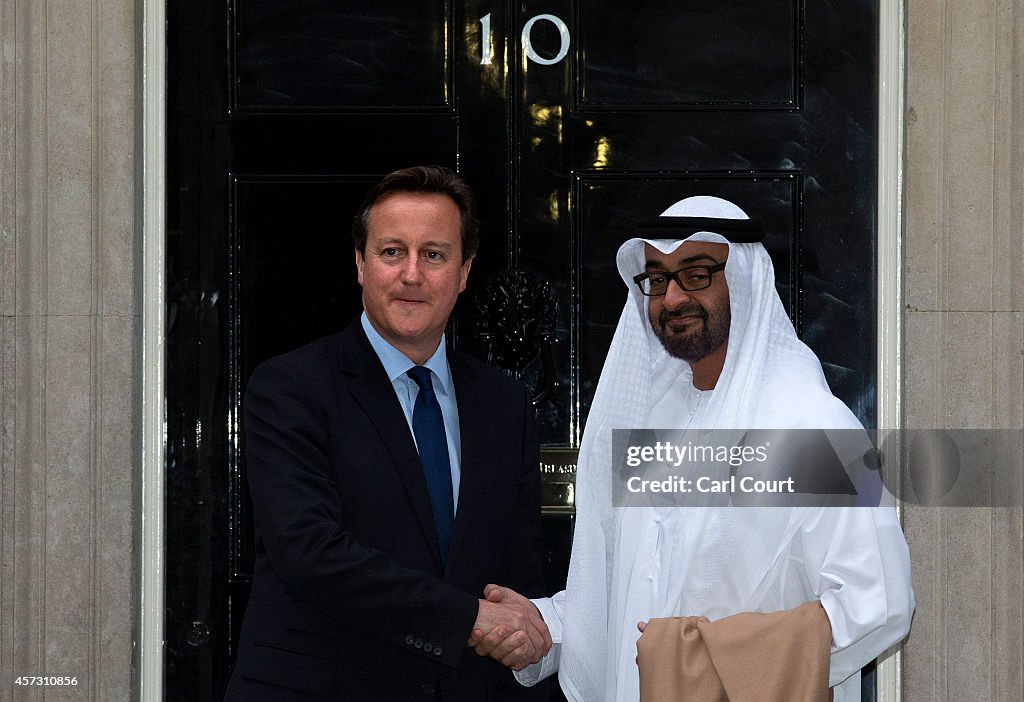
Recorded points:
(509, 629)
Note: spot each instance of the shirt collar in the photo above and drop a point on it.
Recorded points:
(397, 363)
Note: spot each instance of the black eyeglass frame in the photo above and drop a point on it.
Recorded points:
(674, 275)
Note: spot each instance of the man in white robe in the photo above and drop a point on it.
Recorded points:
(725, 357)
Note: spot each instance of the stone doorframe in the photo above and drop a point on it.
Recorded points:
(152, 81)
(151, 176)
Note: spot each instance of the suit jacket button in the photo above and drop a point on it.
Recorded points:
(428, 647)
(437, 650)
(418, 643)
(408, 640)
(427, 688)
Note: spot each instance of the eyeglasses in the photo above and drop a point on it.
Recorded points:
(690, 279)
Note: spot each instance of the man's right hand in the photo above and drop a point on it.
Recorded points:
(509, 629)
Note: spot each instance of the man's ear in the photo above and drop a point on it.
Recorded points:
(359, 266)
(466, 265)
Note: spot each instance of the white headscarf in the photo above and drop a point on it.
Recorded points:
(770, 380)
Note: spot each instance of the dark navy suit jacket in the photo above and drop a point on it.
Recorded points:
(349, 599)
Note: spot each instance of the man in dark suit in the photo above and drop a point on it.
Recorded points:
(392, 480)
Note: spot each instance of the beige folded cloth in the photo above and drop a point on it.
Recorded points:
(748, 657)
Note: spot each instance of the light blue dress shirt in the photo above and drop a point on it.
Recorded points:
(396, 364)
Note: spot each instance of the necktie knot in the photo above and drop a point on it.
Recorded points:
(421, 374)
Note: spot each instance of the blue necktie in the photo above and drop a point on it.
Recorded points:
(432, 442)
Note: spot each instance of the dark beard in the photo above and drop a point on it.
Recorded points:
(693, 347)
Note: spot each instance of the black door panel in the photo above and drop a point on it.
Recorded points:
(571, 119)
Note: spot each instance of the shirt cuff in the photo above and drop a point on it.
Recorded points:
(550, 610)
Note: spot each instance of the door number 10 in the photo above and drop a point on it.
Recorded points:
(563, 32)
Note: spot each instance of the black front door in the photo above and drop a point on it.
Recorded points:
(572, 119)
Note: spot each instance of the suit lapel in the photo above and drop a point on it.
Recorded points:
(473, 402)
(372, 391)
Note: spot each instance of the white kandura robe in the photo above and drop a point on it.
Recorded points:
(718, 561)
(632, 564)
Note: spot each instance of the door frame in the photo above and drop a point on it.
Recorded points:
(892, 40)
(150, 200)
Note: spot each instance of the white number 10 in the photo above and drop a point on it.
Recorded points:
(531, 54)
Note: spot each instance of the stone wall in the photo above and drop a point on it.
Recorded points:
(68, 339)
(964, 333)
(69, 329)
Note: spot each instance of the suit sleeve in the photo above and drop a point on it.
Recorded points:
(297, 518)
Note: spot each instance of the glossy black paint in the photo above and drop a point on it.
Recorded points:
(324, 54)
(690, 53)
(282, 112)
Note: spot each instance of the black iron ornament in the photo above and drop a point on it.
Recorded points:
(515, 315)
